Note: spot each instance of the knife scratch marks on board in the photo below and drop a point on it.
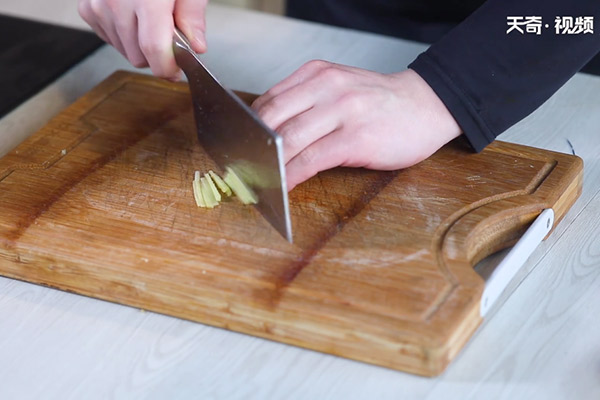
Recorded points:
(145, 126)
(263, 251)
(288, 275)
(413, 196)
(352, 258)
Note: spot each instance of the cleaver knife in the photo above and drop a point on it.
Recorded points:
(235, 137)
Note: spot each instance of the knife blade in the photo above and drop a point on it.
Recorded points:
(235, 137)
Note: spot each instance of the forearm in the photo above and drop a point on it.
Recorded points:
(489, 80)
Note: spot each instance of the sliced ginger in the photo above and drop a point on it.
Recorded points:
(220, 183)
(208, 189)
(198, 194)
(209, 197)
(241, 190)
(198, 190)
(213, 188)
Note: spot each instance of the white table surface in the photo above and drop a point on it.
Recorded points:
(542, 342)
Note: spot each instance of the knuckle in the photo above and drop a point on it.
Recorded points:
(291, 135)
(353, 102)
(96, 7)
(257, 104)
(316, 65)
(333, 76)
(269, 109)
(269, 94)
(83, 9)
(308, 158)
(138, 62)
(111, 4)
(121, 25)
(149, 46)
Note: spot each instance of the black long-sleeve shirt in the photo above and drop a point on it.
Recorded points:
(489, 79)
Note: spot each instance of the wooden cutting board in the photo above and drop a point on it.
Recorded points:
(99, 202)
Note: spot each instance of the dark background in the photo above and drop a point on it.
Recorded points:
(34, 54)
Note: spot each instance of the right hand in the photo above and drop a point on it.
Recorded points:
(142, 30)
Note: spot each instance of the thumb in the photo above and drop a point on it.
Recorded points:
(190, 18)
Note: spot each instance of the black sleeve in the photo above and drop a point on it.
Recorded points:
(489, 80)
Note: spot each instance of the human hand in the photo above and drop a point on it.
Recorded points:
(142, 30)
(332, 115)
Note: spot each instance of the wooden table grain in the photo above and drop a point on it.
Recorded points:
(542, 342)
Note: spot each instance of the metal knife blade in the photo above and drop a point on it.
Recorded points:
(235, 137)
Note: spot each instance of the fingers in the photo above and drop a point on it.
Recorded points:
(310, 126)
(288, 104)
(155, 33)
(190, 18)
(328, 152)
(142, 30)
(127, 30)
(302, 109)
(85, 11)
(301, 75)
(99, 17)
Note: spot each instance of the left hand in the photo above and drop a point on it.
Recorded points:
(332, 115)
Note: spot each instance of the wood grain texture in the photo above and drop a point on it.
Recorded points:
(99, 202)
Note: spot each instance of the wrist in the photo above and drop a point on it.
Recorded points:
(442, 127)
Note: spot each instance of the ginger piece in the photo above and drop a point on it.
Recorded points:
(198, 190)
(209, 197)
(241, 190)
(208, 188)
(226, 190)
(213, 188)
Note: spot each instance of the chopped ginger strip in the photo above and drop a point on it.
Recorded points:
(198, 194)
(209, 197)
(226, 190)
(208, 188)
(241, 190)
(213, 188)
